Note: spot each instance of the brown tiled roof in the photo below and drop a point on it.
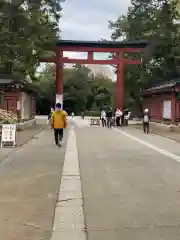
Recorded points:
(166, 85)
(27, 86)
(163, 86)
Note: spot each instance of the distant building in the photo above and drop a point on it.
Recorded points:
(17, 95)
(100, 70)
(163, 101)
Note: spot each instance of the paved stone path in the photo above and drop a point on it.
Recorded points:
(155, 129)
(115, 184)
(22, 138)
(69, 216)
(29, 183)
(130, 186)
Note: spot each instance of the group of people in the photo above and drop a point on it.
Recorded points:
(58, 120)
(108, 118)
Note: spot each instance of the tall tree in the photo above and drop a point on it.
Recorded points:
(27, 29)
(82, 89)
(156, 21)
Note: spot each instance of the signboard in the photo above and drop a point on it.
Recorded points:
(8, 137)
(167, 109)
(18, 105)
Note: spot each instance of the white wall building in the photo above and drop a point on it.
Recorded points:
(100, 70)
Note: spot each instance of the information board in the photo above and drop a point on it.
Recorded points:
(8, 136)
(167, 109)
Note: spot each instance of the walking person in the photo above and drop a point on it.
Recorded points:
(146, 120)
(118, 115)
(58, 123)
(50, 114)
(103, 118)
(82, 114)
(127, 117)
(109, 116)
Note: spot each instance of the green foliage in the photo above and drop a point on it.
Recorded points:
(157, 22)
(27, 29)
(92, 113)
(177, 96)
(82, 90)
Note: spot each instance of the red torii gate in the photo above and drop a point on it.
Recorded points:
(119, 48)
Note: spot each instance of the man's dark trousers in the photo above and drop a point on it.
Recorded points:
(146, 127)
(118, 121)
(58, 135)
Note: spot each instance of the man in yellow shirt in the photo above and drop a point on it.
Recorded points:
(58, 123)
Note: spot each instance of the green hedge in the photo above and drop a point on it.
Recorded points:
(92, 113)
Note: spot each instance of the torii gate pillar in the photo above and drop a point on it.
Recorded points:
(120, 82)
(59, 76)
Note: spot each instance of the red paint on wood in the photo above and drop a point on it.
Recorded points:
(103, 50)
(91, 61)
(173, 107)
(120, 82)
(101, 62)
(119, 61)
(90, 56)
(59, 71)
(10, 103)
(154, 103)
(177, 111)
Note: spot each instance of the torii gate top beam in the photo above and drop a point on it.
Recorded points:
(100, 46)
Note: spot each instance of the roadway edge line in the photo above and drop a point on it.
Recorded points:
(149, 145)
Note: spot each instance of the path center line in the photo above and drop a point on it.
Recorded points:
(149, 145)
(69, 215)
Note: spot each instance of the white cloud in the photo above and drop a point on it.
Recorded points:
(72, 55)
(88, 19)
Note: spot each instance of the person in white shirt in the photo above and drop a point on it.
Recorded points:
(127, 117)
(50, 114)
(103, 118)
(118, 116)
(146, 120)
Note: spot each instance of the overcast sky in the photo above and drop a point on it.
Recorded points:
(88, 19)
